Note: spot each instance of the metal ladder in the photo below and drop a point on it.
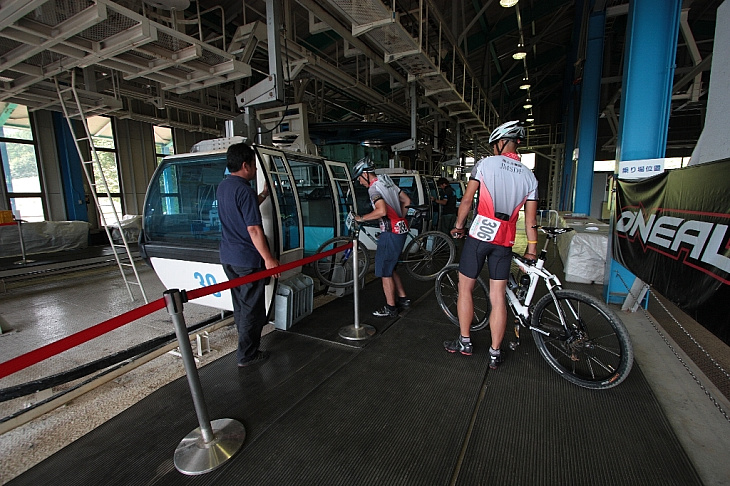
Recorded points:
(555, 176)
(122, 253)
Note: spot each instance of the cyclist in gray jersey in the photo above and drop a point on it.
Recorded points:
(504, 186)
(389, 207)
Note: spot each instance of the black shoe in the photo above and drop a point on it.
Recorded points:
(458, 345)
(495, 359)
(403, 303)
(259, 357)
(386, 312)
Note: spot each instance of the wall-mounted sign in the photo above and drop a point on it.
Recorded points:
(640, 169)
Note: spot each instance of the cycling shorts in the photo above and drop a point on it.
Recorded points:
(390, 246)
(474, 253)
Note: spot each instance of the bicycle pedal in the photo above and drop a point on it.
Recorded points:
(513, 345)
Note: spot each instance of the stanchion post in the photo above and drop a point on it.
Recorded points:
(211, 444)
(22, 244)
(356, 332)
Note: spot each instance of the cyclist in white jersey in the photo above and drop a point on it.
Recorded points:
(504, 185)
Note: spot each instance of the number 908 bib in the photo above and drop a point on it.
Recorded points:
(483, 228)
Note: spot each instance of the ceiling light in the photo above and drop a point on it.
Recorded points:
(525, 86)
(527, 105)
(508, 3)
(520, 53)
(529, 119)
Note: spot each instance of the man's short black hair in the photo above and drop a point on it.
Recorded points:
(442, 180)
(237, 155)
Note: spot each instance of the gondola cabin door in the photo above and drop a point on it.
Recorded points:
(343, 191)
(281, 212)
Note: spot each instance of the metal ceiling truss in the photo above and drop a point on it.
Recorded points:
(421, 45)
(300, 61)
(42, 40)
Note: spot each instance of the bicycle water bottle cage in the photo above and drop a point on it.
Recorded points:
(524, 286)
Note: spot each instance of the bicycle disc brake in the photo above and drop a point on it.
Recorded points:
(576, 343)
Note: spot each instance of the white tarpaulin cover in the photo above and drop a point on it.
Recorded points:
(44, 237)
(131, 225)
(583, 250)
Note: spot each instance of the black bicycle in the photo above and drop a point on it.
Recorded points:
(424, 256)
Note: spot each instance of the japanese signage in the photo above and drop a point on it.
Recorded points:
(639, 169)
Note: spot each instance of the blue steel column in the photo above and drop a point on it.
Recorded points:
(569, 94)
(72, 175)
(651, 47)
(589, 112)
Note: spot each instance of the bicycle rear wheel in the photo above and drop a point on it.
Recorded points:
(427, 254)
(595, 352)
(447, 293)
(337, 270)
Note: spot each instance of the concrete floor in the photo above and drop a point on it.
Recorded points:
(46, 309)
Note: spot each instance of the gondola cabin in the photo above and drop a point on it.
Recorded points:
(181, 231)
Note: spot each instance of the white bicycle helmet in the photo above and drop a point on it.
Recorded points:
(362, 165)
(511, 130)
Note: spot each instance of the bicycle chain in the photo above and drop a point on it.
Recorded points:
(671, 348)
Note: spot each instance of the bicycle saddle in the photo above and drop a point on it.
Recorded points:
(553, 230)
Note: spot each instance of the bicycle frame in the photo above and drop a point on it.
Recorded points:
(411, 219)
(536, 271)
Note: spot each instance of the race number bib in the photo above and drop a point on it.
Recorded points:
(400, 227)
(483, 228)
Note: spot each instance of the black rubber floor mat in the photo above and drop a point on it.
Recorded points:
(534, 427)
(136, 447)
(329, 319)
(393, 415)
(400, 410)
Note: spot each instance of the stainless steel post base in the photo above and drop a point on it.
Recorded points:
(357, 333)
(193, 456)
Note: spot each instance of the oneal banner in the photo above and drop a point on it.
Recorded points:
(672, 231)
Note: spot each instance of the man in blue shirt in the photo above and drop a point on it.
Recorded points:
(244, 249)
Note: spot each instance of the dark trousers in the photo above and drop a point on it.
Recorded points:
(249, 311)
(447, 222)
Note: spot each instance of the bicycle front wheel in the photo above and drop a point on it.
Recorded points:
(338, 270)
(427, 254)
(592, 349)
(447, 294)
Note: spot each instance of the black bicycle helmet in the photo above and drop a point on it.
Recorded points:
(512, 130)
(362, 165)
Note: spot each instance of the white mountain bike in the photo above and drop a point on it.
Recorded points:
(577, 334)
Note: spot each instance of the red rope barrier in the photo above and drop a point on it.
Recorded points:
(37, 355)
(202, 291)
